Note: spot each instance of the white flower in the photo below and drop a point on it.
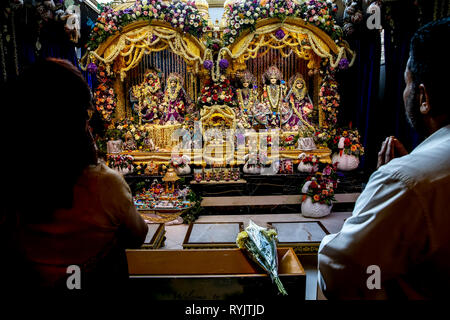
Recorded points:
(192, 16)
(233, 32)
(208, 99)
(138, 13)
(252, 21)
(144, 2)
(120, 127)
(174, 20)
(236, 25)
(191, 22)
(264, 11)
(248, 13)
(181, 26)
(246, 21)
(256, 15)
(257, 9)
(133, 16)
(158, 7)
(180, 19)
(231, 40)
(136, 137)
(184, 11)
(133, 129)
(196, 24)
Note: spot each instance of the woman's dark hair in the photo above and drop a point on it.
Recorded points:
(51, 141)
(429, 64)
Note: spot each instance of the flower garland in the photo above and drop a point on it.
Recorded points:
(244, 15)
(104, 96)
(181, 15)
(329, 99)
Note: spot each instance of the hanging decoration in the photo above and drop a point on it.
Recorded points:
(104, 96)
(329, 99)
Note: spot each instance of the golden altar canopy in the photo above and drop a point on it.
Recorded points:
(303, 39)
(125, 50)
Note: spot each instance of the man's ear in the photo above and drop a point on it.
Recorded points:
(424, 99)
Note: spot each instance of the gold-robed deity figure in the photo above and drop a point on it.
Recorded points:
(176, 101)
(273, 111)
(247, 96)
(149, 96)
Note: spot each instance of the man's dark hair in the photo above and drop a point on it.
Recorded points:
(429, 63)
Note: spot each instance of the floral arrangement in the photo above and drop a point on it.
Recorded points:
(178, 162)
(128, 126)
(104, 96)
(181, 15)
(321, 189)
(351, 145)
(329, 99)
(220, 93)
(324, 137)
(261, 246)
(310, 159)
(186, 17)
(243, 15)
(120, 161)
(321, 14)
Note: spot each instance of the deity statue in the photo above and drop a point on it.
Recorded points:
(149, 94)
(130, 143)
(175, 101)
(273, 112)
(300, 103)
(247, 97)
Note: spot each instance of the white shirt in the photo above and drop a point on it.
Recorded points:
(401, 223)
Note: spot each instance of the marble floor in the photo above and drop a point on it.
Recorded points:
(175, 235)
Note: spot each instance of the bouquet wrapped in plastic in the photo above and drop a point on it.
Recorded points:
(260, 244)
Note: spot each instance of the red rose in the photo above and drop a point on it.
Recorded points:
(347, 142)
(313, 185)
(215, 97)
